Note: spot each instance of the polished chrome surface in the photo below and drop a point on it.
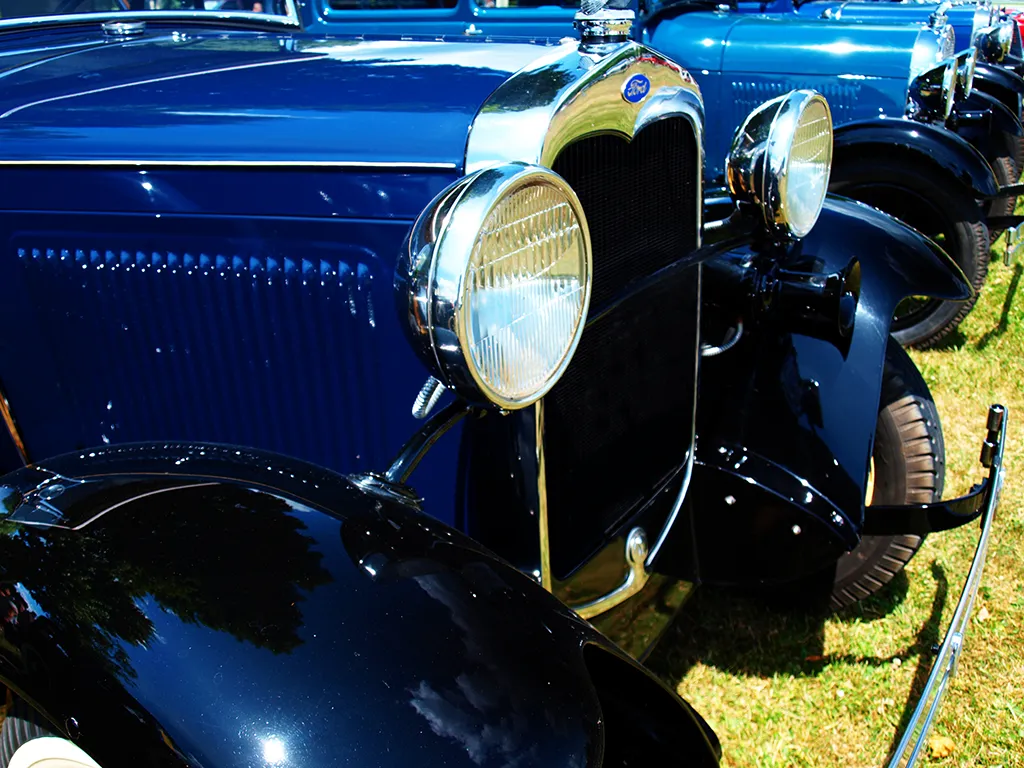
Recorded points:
(570, 94)
(1014, 245)
(636, 558)
(932, 92)
(758, 166)
(730, 341)
(429, 394)
(557, 100)
(417, 446)
(938, 16)
(944, 667)
(984, 16)
(966, 61)
(290, 18)
(437, 267)
(122, 29)
(12, 428)
(546, 580)
(928, 51)
(599, 24)
(994, 42)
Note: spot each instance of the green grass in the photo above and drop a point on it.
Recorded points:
(798, 690)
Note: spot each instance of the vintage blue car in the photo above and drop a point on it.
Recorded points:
(997, 40)
(478, 281)
(893, 90)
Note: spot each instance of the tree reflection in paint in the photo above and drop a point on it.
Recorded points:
(222, 556)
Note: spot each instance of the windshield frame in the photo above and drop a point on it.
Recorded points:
(289, 19)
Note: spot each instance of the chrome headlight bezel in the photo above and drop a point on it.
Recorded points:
(982, 19)
(966, 63)
(757, 168)
(931, 93)
(994, 42)
(433, 286)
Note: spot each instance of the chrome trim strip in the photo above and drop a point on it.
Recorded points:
(12, 428)
(944, 666)
(570, 94)
(677, 505)
(290, 19)
(155, 80)
(636, 578)
(556, 100)
(542, 497)
(157, 163)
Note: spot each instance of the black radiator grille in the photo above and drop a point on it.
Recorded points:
(640, 199)
(621, 417)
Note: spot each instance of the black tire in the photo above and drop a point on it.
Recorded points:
(909, 461)
(1006, 173)
(941, 210)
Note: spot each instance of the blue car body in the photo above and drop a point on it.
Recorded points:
(208, 226)
(864, 70)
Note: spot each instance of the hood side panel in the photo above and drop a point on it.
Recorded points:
(271, 332)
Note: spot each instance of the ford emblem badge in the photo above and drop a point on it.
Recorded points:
(636, 89)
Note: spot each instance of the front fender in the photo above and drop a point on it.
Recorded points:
(188, 603)
(787, 419)
(938, 147)
(1005, 85)
(986, 123)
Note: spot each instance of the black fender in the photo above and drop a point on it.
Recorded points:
(1006, 86)
(194, 604)
(988, 125)
(935, 146)
(787, 415)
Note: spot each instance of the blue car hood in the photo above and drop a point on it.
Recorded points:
(247, 97)
(960, 17)
(773, 45)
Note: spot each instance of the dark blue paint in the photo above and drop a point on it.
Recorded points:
(272, 332)
(274, 98)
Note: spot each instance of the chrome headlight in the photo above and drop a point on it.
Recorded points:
(982, 19)
(931, 92)
(495, 281)
(993, 43)
(781, 158)
(966, 61)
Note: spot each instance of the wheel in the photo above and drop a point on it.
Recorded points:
(933, 205)
(908, 467)
(1006, 173)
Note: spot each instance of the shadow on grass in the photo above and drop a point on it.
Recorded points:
(743, 635)
(1004, 317)
(925, 644)
(952, 341)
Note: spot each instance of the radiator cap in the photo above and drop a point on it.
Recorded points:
(600, 22)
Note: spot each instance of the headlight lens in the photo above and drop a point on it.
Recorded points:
(526, 298)
(781, 159)
(497, 278)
